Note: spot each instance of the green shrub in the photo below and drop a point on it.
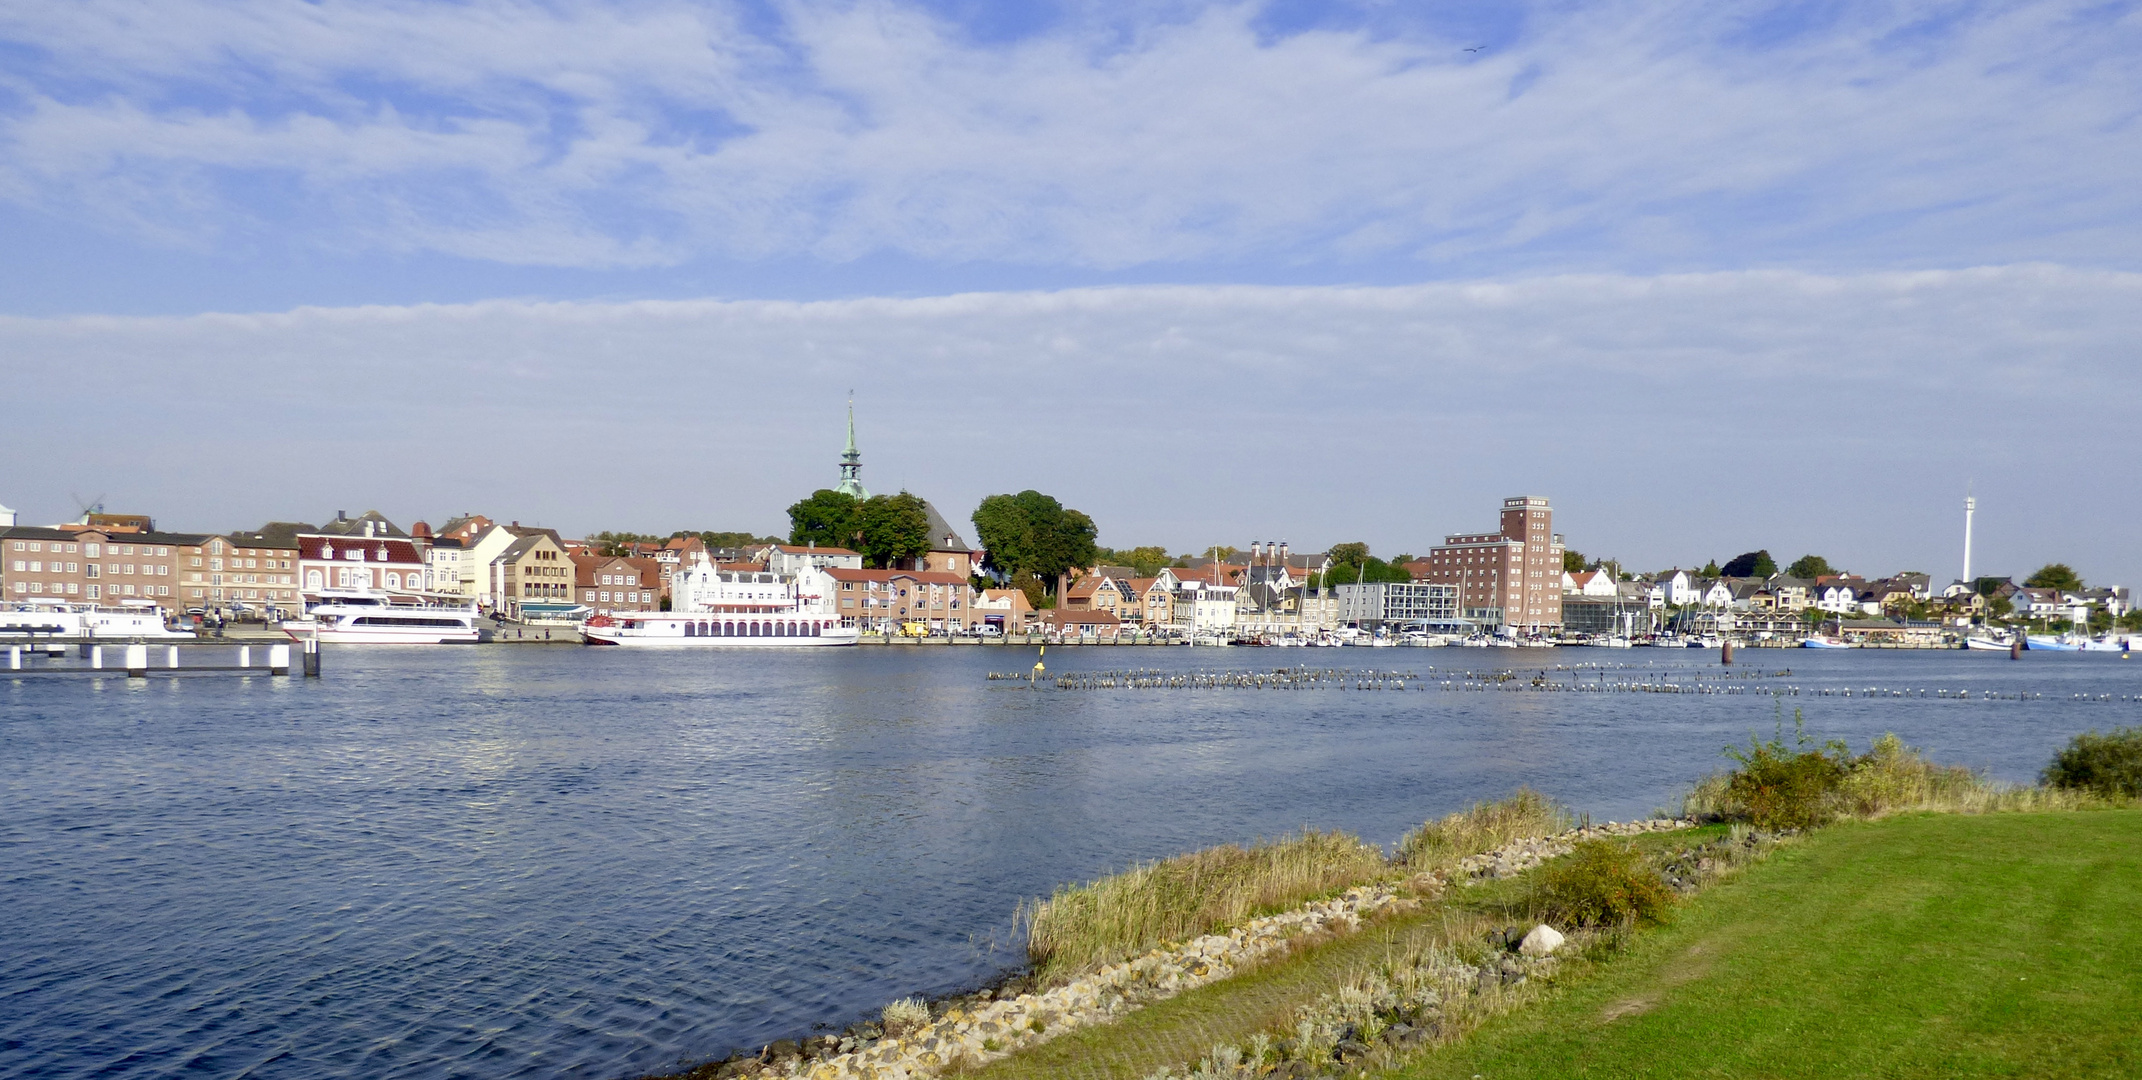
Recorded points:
(1601, 884)
(2107, 765)
(1786, 787)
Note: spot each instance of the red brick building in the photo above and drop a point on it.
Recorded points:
(1509, 578)
(609, 584)
(884, 599)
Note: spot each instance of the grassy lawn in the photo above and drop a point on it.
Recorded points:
(1933, 945)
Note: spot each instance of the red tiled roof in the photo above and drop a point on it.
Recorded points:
(397, 550)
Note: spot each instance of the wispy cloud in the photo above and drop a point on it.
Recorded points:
(1841, 414)
(1607, 136)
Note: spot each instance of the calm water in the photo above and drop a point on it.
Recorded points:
(498, 862)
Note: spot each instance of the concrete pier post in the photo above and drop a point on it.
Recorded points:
(2015, 648)
(137, 661)
(14, 658)
(171, 657)
(245, 656)
(85, 647)
(96, 657)
(312, 658)
(1725, 653)
(279, 659)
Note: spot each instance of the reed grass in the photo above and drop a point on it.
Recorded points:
(1085, 926)
(1484, 826)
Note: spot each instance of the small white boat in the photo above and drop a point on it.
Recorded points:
(1825, 643)
(2051, 643)
(1985, 644)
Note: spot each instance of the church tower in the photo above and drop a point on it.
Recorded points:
(851, 463)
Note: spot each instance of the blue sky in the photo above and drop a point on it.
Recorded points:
(416, 166)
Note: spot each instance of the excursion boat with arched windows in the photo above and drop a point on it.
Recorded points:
(732, 609)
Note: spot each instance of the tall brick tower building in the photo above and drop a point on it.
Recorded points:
(1510, 578)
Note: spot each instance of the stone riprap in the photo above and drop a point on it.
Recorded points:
(980, 1033)
(1519, 856)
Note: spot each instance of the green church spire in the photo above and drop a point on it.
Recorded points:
(851, 463)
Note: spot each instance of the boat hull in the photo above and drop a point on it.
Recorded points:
(642, 640)
(448, 636)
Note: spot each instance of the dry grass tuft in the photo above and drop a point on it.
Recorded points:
(1484, 827)
(1086, 926)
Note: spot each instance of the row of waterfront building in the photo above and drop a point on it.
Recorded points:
(1509, 581)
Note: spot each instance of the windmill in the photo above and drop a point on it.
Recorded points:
(88, 506)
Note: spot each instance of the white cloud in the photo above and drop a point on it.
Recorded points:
(1671, 418)
(1617, 135)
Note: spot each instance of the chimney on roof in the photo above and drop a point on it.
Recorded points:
(342, 515)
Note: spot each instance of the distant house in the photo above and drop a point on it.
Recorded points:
(1005, 609)
(1677, 588)
(1593, 583)
(1199, 606)
(1789, 593)
(1714, 593)
(1836, 594)
(353, 561)
(533, 579)
(369, 524)
(609, 584)
(788, 560)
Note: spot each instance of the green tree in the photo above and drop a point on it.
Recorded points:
(1710, 569)
(2000, 607)
(729, 539)
(1810, 567)
(893, 529)
(1147, 561)
(1369, 571)
(614, 543)
(1037, 594)
(1351, 554)
(1033, 533)
(1755, 564)
(828, 518)
(2055, 576)
(1222, 552)
(1573, 561)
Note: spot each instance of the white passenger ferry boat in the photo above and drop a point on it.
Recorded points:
(363, 617)
(731, 609)
(86, 622)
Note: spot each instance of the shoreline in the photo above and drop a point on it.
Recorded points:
(979, 1026)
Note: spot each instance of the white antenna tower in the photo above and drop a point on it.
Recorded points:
(1970, 508)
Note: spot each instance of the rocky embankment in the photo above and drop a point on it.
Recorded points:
(982, 1027)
